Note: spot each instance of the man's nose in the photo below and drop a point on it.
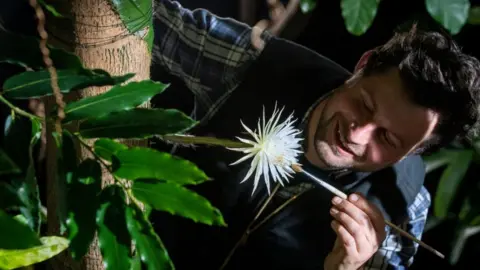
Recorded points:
(361, 133)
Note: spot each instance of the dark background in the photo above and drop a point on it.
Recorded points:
(324, 31)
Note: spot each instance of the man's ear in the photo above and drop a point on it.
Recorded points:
(363, 60)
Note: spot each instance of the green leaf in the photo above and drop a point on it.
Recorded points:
(359, 15)
(470, 209)
(7, 166)
(451, 14)
(438, 159)
(113, 236)
(432, 222)
(17, 140)
(136, 123)
(475, 221)
(138, 162)
(176, 200)
(28, 192)
(83, 204)
(135, 14)
(450, 180)
(136, 262)
(150, 37)
(34, 84)
(21, 136)
(27, 188)
(474, 16)
(476, 145)
(118, 98)
(307, 5)
(21, 219)
(9, 197)
(106, 148)
(16, 235)
(149, 246)
(51, 246)
(25, 51)
(459, 241)
(66, 171)
(51, 9)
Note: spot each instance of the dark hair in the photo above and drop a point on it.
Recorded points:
(438, 76)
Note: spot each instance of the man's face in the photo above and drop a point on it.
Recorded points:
(367, 124)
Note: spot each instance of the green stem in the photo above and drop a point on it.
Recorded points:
(97, 157)
(18, 110)
(133, 199)
(109, 169)
(185, 139)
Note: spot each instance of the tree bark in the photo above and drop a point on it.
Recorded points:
(95, 33)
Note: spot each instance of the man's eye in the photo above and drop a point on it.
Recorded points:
(366, 101)
(388, 139)
(367, 105)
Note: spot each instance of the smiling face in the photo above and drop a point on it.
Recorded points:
(367, 124)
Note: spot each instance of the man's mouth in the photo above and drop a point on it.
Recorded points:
(341, 144)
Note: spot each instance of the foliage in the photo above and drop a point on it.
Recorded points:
(359, 15)
(141, 175)
(456, 198)
(137, 17)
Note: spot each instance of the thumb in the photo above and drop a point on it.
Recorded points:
(338, 244)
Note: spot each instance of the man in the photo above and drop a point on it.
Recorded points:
(363, 133)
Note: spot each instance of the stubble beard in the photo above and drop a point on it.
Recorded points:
(328, 155)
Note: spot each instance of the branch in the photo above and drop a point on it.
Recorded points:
(125, 186)
(49, 64)
(95, 155)
(18, 110)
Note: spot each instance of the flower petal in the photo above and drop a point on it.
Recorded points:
(253, 166)
(258, 173)
(242, 159)
(266, 176)
(275, 146)
(250, 132)
(246, 141)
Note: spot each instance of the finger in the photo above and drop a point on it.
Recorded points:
(260, 26)
(376, 216)
(277, 12)
(346, 239)
(352, 210)
(358, 232)
(359, 216)
(273, 3)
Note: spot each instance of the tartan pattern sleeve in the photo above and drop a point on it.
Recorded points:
(397, 252)
(208, 53)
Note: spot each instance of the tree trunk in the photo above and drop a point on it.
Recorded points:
(97, 35)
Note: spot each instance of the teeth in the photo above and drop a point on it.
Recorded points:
(340, 137)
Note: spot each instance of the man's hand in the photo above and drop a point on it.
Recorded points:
(360, 229)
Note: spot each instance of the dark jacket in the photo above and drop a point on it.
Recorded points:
(300, 236)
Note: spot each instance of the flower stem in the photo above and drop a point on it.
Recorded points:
(248, 230)
(186, 139)
(18, 110)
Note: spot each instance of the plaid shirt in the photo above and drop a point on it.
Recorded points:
(210, 54)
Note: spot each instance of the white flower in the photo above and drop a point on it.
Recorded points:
(274, 148)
